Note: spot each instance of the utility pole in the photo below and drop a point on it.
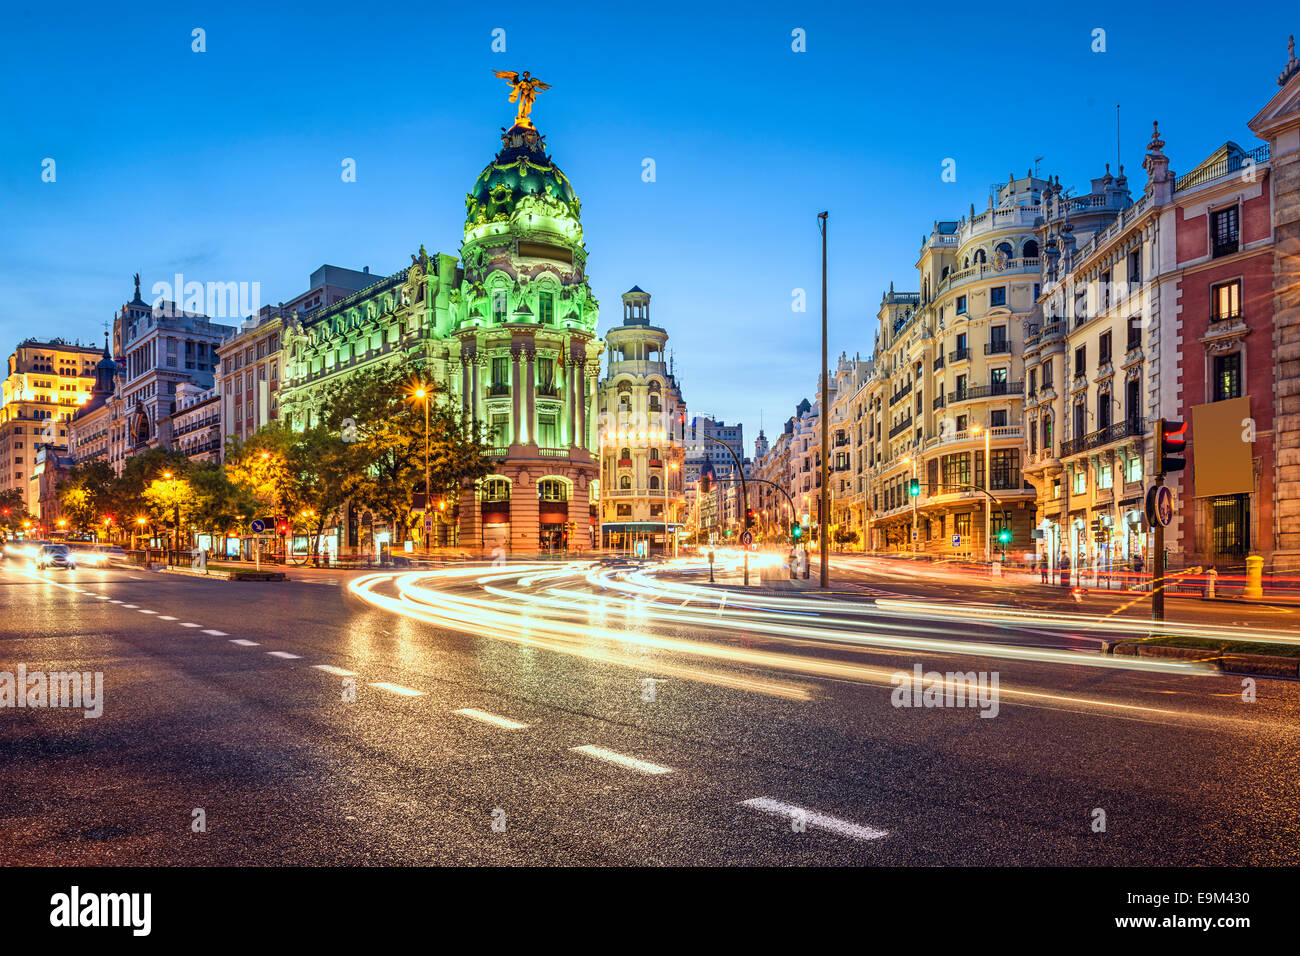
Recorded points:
(822, 540)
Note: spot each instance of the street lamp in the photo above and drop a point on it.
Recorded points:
(176, 510)
(988, 505)
(139, 530)
(422, 394)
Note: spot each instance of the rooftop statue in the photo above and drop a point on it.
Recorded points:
(523, 89)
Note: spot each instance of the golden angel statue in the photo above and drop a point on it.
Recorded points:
(524, 89)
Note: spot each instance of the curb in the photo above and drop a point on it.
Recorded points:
(1259, 665)
(227, 575)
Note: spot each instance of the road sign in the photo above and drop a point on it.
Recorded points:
(258, 526)
(1160, 505)
(956, 541)
(915, 535)
(747, 538)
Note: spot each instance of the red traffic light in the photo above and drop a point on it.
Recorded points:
(1171, 445)
(283, 527)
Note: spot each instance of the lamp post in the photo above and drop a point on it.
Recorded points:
(423, 394)
(824, 516)
(988, 505)
(139, 530)
(176, 510)
(912, 461)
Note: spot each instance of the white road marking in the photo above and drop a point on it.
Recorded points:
(285, 655)
(103, 597)
(503, 722)
(812, 818)
(145, 610)
(114, 601)
(188, 624)
(622, 760)
(165, 617)
(214, 633)
(336, 671)
(243, 643)
(132, 606)
(398, 689)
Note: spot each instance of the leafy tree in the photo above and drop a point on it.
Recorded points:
(171, 503)
(87, 494)
(386, 459)
(13, 511)
(220, 506)
(265, 467)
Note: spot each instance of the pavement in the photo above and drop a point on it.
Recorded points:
(543, 715)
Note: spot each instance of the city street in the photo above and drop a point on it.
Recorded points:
(602, 714)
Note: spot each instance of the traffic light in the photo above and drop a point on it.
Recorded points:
(913, 488)
(1004, 536)
(284, 527)
(796, 532)
(1171, 446)
(681, 421)
(749, 518)
(728, 532)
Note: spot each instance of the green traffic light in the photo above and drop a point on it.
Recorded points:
(1004, 536)
(796, 532)
(914, 488)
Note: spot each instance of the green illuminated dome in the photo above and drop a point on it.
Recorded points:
(520, 177)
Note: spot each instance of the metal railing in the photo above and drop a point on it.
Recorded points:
(998, 347)
(959, 355)
(1129, 428)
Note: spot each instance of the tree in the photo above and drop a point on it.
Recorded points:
(220, 506)
(265, 467)
(386, 461)
(87, 495)
(171, 501)
(324, 468)
(13, 511)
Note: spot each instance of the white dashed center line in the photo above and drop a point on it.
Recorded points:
(398, 689)
(214, 633)
(812, 818)
(114, 601)
(243, 643)
(131, 606)
(336, 671)
(145, 610)
(621, 760)
(285, 655)
(188, 624)
(165, 617)
(503, 722)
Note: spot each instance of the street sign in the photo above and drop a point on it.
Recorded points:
(956, 541)
(1160, 505)
(258, 526)
(747, 538)
(915, 535)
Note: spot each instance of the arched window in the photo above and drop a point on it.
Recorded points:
(980, 258)
(1006, 250)
(654, 454)
(654, 402)
(625, 455)
(944, 274)
(552, 489)
(1031, 249)
(654, 482)
(496, 489)
(625, 483)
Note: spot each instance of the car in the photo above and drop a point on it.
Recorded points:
(54, 556)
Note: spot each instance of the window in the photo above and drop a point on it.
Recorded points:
(1227, 376)
(1081, 361)
(546, 308)
(500, 373)
(998, 379)
(624, 511)
(1033, 381)
(552, 489)
(961, 524)
(499, 305)
(1047, 374)
(998, 295)
(654, 482)
(1080, 482)
(1103, 349)
(548, 434)
(961, 305)
(501, 429)
(625, 483)
(1135, 268)
(1004, 469)
(1105, 477)
(1225, 301)
(496, 489)
(1056, 488)
(998, 418)
(1133, 470)
(1225, 232)
(1134, 333)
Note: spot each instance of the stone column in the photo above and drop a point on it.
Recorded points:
(572, 376)
(466, 396)
(515, 393)
(530, 386)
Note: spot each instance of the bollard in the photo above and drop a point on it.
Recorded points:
(1210, 578)
(1254, 576)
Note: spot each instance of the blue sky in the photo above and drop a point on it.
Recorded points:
(225, 165)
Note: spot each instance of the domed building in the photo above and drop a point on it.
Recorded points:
(509, 333)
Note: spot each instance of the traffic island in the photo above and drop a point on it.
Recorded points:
(1233, 657)
(228, 574)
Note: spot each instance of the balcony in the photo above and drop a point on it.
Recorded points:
(938, 363)
(901, 427)
(548, 390)
(1001, 347)
(498, 390)
(939, 402)
(900, 394)
(1103, 436)
(993, 390)
(959, 355)
(1052, 330)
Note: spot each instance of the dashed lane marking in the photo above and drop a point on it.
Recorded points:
(336, 671)
(145, 610)
(285, 655)
(214, 633)
(188, 624)
(165, 617)
(398, 689)
(812, 818)
(243, 643)
(621, 760)
(132, 606)
(505, 723)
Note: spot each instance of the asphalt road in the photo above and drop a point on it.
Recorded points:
(516, 716)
